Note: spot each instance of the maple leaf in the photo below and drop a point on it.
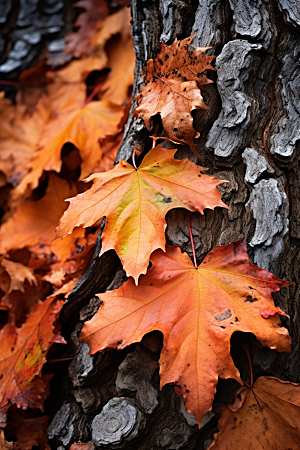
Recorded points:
(197, 310)
(265, 416)
(75, 122)
(135, 202)
(22, 355)
(33, 223)
(173, 89)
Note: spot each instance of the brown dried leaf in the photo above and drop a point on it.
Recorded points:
(174, 79)
(265, 416)
(18, 273)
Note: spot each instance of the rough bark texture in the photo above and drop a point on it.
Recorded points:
(250, 136)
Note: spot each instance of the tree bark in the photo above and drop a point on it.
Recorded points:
(250, 136)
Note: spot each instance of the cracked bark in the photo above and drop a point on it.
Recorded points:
(250, 136)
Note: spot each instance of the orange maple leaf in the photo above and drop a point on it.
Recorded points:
(173, 80)
(265, 416)
(23, 352)
(76, 122)
(197, 310)
(135, 202)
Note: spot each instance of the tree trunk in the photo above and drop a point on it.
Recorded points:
(250, 136)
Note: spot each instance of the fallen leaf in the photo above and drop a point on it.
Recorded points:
(121, 61)
(22, 354)
(265, 416)
(18, 273)
(33, 222)
(135, 202)
(88, 22)
(19, 136)
(109, 146)
(96, 58)
(197, 310)
(77, 123)
(173, 82)
(21, 303)
(32, 86)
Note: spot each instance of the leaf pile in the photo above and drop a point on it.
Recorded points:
(61, 128)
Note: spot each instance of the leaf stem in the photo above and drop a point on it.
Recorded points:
(192, 240)
(92, 94)
(246, 348)
(136, 151)
(154, 137)
(164, 138)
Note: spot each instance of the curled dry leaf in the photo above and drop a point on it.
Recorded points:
(135, 202)
(22, 354)
(18, 273)
(173, 80)
(264, 416)
(197, 310)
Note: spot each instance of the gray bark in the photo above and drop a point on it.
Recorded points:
(250, 136)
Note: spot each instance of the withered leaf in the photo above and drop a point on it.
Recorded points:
(22, 355)
(264, 416)
(174, 79)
